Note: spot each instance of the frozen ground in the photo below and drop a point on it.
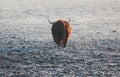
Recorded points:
(27, 48)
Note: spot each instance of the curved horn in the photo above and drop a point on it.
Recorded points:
(69, 20)
(50, 21)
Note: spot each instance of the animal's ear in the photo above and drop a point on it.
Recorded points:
(69, 20)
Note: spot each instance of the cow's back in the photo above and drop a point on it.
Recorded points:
(58, 29)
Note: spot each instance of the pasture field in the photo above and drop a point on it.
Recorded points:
(27, 48)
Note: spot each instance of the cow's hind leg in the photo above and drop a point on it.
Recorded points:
(59, 43)
(55, 39)
(65, 42)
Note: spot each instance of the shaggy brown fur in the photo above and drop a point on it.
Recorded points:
(61, 31)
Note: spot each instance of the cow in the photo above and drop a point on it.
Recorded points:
(61, 31)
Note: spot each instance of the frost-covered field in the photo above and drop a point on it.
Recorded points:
(27, 48)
